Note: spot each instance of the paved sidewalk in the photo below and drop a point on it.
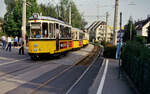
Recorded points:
(110, 83)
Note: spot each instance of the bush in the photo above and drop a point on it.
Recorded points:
(136, 62)
(109, 51)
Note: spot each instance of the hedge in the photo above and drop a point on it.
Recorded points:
(109, 51)
(136, 62)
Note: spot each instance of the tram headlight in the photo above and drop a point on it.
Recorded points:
(35, 49)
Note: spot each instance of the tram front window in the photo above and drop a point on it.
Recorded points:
(36, 33)
(35, 30)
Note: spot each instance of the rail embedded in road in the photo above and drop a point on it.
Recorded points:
(87, 61)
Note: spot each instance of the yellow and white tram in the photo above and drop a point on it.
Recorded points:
(77, 38)
(85, 38)
(48, 36)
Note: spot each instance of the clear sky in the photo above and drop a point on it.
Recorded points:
(90, 8)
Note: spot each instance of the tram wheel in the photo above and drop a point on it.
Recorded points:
(35, 57)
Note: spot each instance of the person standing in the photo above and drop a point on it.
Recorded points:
(9, 44)
(16, 41)
(3, 42)
(21, 49)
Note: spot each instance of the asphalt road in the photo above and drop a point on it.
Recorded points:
(20, 75)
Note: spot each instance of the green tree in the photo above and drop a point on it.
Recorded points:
(49, 10)
(10, 4)
(13, 17)
(130, 31)
(77, 19)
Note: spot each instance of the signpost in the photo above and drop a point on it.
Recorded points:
(119, 45)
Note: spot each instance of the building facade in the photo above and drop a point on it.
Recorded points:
(97, 32)
(142, 27)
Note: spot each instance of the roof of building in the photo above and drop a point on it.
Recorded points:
(89, 28)
(139, 25)
(95, 25)
(100, 23)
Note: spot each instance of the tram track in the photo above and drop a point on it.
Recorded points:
(86, 61)
(22, 69)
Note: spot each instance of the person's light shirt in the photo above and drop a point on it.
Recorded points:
(9, 39)
(16, 39)
(3, 38)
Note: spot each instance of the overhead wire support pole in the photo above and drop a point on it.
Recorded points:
(115, 22)
(24, 22)
(70, 14)
(120, 42)
(106, 33)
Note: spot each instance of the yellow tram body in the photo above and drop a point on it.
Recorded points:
(75, 44)
(85, 42)
(48, 46)
(85, 38)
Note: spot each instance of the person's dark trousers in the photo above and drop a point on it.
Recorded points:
(21, 50)
(3, 44)
(15, 44)
(9, 47)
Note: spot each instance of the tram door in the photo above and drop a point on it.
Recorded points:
(57, 30)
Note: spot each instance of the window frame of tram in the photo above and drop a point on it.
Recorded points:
(33, 30)
(51, 33)
(80, 36)
(44, 30)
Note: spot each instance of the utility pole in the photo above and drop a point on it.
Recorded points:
(130, 23)
(106, 33)
(130, 30)
(120, 36)
(24, 22)
(115, 22)
(120, 20)
(70, 14)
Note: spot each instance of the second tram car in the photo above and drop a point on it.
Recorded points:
(77, 38)
(48, 36)
(85, 38)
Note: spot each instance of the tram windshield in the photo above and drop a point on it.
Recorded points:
(39, 31)
(35, 30)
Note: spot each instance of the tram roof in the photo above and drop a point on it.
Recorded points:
(50, 19)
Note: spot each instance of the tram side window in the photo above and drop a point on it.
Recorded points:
(67, 33)
(51, 30)
(76, 35)
(73, 35)
(81, 36)
(62, 32)
(45, 30)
